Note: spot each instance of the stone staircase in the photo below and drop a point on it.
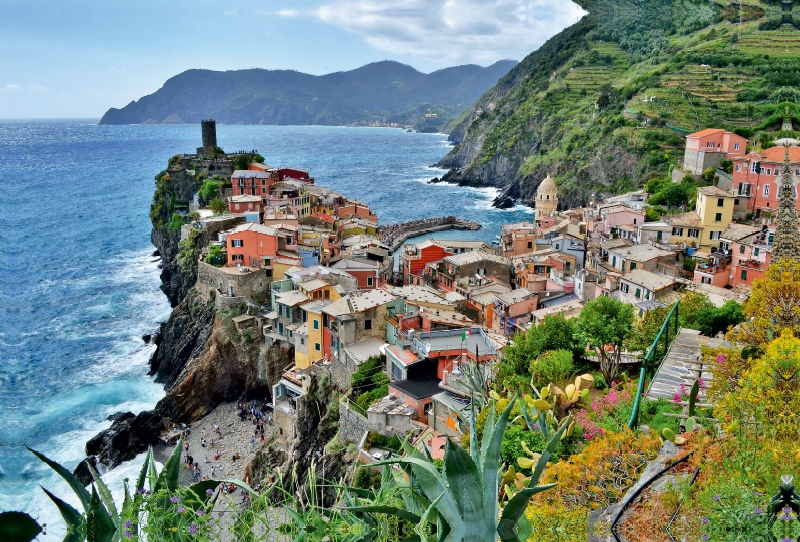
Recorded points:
(680, 366)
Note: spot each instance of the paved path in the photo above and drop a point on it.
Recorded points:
(678, 368)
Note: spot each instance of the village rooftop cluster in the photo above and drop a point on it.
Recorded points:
(316, 275)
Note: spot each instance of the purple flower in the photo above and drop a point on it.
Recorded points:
(129, 524)
(141, 490)
(194, 529)
(201, 512)
(786, 509)
(717, 498)
(758, 511)
(174, 500)
(181, 510)
(705, 537)
(209, 491)
(757, 493)
(128, 534)
(705, 520)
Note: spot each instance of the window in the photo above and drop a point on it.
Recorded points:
(766, 190)
(263, 190)
(530, 244)
(638, 293)
(736, 203)
(715, 235)
(316, 324)
(614, 261)
(370, 281)
(738, 167)
(694, 232)
(720, 203)
(706, 280)
(318, 347)
(397, 372)
(263, 182)
(367, 325)
(647, 294)
(718, 217)
(755, 251)
(743, 276)
(238, 242)
(302, 341)
(736, 146)
(280, 328)
(769, 171)
(741, 249)
(677, 231)
(744, 189)
(624, 287)
(754, 167)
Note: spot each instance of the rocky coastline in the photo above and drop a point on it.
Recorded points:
(204, 365)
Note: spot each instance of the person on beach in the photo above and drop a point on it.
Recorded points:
(252, 442)
(212, 471)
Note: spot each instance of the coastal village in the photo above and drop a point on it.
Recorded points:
(394, 327)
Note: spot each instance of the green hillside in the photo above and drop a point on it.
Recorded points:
(576, 107)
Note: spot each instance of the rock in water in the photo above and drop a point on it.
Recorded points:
(82, 472)
(127, 437)
(503, 202)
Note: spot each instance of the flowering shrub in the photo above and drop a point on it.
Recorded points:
(597, 477)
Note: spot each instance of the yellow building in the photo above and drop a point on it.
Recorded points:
(314, 352)
(703, 227)
(546, 198)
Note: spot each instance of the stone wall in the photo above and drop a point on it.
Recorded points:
(352, 425)
(225, 303)
(249, 285)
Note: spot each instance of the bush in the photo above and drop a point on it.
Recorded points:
(210, 189)
(217, 204)
(599, 382)
(366, 478)
(553, 366)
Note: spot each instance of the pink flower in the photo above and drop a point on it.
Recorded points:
(676, 399)
(701, 384)
(721, 359)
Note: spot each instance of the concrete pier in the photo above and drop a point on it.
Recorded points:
(402, 232)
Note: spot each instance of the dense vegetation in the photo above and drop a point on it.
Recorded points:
(604, 105)
(383, 90)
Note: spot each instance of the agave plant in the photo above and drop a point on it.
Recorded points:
(101, 520)
(461, 503)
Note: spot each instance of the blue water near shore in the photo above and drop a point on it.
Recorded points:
(80, 287)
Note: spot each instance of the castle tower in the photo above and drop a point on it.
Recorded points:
(546, 198)
(209, 130)
(786, 244)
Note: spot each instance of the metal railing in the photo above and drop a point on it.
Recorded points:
(658, 351)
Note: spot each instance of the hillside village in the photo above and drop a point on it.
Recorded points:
(311, 271)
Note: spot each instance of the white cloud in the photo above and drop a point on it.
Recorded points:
(39, 88)
(12, 88)
(481, 31)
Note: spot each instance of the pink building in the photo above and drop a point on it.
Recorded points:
(757, 177)
(709, 147)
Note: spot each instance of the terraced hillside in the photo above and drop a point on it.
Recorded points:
(604, 105)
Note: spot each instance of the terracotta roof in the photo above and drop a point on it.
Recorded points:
(775, 154)
(714, 191)
(706, 132)
(736, 232)
(691, 219)
(649, 280)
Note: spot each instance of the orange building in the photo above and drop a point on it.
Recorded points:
(416, 257)
(253, 245)
(708, 148)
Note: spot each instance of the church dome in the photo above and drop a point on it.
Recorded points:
(547, 188)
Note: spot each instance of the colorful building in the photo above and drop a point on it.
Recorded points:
(708, 148)
(757, 178)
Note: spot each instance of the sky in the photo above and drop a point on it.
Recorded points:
(77, 58)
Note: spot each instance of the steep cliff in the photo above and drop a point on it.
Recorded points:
(604, 105)
(175, 189)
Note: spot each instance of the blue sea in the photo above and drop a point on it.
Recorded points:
(80, 286)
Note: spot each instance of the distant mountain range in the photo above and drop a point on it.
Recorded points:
(384, 91)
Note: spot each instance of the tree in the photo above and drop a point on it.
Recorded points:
(675, 195)
(554, 333)
(604, 324)
(217, 204)
(711, 321)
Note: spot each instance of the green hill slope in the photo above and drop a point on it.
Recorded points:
(576, 107)
(372, 92)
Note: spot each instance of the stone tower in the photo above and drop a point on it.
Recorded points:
(546, 198)
(786, 244)
(209, 130)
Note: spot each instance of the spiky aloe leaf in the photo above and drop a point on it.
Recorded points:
(432, 485)
(170, 474)
(466, 487)
(99, 527)
(18, 527)
(72, 518)
(490, 467)
(693, 397)
(507, 528)
(420, 528)
(390, 510)
(148, 458)
(74, 483)
(105, 497)
(548, 452)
